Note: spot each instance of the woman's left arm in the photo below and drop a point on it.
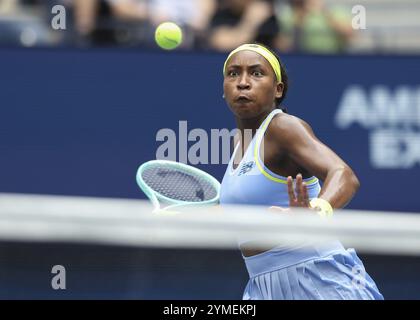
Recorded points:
(297, 139)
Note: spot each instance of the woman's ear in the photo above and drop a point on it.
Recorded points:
(279, 90)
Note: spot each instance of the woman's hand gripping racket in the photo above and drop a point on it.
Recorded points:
(176, 185)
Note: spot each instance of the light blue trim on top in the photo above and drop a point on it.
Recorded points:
(257, 157)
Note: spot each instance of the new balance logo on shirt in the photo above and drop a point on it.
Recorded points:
(246, 167)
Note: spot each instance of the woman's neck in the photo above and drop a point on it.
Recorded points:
(251, 123)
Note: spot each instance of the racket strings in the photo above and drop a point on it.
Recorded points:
(177, 185)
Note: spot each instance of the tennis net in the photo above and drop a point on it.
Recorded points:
(117, 248)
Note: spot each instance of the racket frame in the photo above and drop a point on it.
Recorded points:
(156, 197)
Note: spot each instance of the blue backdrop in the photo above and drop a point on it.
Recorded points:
(80, 122)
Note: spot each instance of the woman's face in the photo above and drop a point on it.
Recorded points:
(250, 85)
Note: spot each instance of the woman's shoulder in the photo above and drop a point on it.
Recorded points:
(286, 121)
(287, 126)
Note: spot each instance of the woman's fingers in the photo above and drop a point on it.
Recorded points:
(298, 197)
(299, 189)
(305, 195)
(291, 192)
(302, 191)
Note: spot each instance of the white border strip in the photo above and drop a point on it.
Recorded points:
(131, 223)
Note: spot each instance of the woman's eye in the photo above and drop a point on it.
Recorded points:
(232, 73)
(257, 73)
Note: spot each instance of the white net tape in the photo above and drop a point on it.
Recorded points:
(131, 222)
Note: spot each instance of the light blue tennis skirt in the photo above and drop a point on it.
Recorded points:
(321, 272)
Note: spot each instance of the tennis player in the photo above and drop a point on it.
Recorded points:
(255, 83)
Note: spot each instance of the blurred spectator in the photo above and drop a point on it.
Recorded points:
(241, 21)
(269, 31)
(136, 20)
(192, 15)
(131, 21)
(85, 15)
(7, 6)
(96, 23)
(309, 26)
(23, 23)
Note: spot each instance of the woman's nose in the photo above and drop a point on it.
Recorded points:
(244, 82)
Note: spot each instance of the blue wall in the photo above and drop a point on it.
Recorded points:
(80, 122)
(117, 272)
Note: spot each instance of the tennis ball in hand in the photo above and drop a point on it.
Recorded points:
(168, 35)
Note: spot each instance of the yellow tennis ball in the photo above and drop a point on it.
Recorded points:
(168, 35)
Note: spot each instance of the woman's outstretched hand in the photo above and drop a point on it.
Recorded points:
(298, 197)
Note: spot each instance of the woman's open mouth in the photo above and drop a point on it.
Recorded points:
(243, 99)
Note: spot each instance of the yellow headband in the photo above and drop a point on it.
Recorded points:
(271, 58)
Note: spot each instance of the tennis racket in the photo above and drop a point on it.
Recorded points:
(176, 185)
